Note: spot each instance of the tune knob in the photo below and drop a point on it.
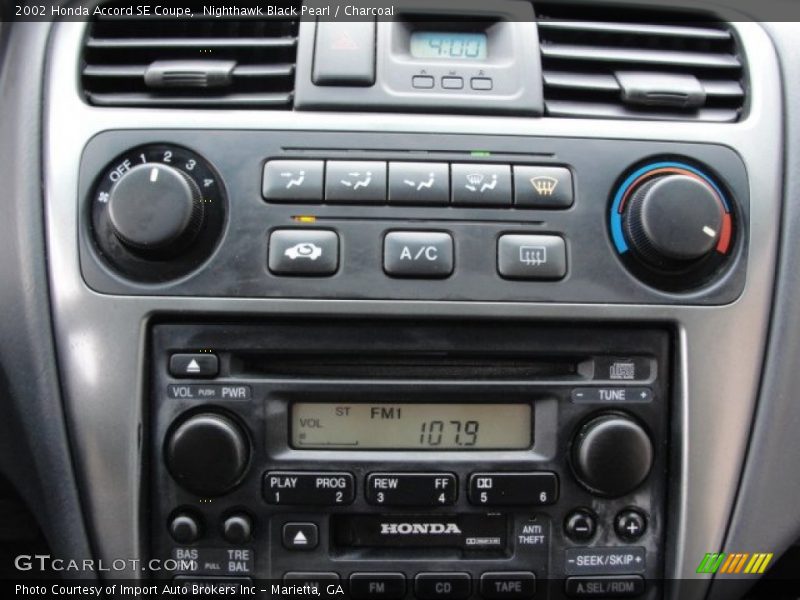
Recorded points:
(673, 219)
(155, 209)
(207, 453)
(612, 455)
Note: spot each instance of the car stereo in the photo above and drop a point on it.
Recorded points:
(411, 459)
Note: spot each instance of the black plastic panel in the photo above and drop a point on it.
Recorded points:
(593, 351)
(595, 273)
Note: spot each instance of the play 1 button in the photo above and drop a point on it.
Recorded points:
(300, 536)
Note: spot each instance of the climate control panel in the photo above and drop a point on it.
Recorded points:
(359, 216)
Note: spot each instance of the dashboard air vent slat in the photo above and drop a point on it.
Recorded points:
(627, 64)
(199, 62)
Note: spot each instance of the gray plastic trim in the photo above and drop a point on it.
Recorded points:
(101, 338)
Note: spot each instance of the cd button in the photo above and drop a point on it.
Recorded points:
(382, 586)
(442, 586)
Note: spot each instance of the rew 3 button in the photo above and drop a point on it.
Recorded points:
(303, 252)
(418, 254)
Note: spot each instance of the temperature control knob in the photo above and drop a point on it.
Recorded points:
(612, 455)
(672, 225)
(207, 453)
(155, 208)
(673, 219)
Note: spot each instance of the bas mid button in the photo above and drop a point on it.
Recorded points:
(442, 586)
(508, 585)
(418, 254)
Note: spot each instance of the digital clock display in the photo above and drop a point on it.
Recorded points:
(407, 426)
(449, 45)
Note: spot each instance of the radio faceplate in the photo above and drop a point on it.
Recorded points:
(228, 484)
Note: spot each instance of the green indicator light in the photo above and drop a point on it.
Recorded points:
(480, 153)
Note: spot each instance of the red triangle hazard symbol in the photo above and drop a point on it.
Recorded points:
(344, 42)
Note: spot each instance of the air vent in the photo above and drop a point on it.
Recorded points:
(197, 62)
(622, 64)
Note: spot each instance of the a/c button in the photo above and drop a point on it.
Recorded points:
(418, 254)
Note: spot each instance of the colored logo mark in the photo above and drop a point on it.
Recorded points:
(735, 562)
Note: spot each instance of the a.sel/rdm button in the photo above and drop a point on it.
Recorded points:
(303, 252)
(418, 254)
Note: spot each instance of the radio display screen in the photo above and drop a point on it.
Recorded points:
(449, 45)
(407, 426)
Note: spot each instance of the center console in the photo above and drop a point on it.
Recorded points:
(414, 331)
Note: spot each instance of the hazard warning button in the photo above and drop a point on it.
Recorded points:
(344, 53)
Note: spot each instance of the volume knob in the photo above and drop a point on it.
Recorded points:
(612, 455)
(207, 454)
(155, 209)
